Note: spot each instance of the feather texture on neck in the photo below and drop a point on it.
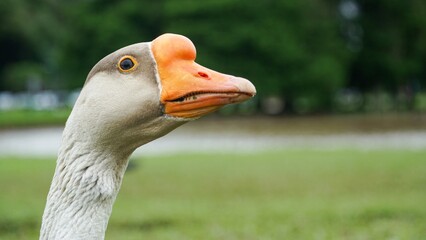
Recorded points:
(83, 190)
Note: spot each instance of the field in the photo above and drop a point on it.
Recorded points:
(291, 194)
(26, 118)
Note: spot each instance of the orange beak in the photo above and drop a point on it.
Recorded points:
(189, 90)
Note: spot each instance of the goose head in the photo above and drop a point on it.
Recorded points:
(145, 90)
(132, 96)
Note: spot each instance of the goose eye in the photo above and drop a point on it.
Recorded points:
(127, 63)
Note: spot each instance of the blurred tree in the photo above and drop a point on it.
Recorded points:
(393, 53)
(29, 32)
(24, 75)
(97, 28)
(301, 50)
(287, 48)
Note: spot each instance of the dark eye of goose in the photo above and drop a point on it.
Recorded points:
(127, 63)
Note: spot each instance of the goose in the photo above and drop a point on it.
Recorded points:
(132, 96)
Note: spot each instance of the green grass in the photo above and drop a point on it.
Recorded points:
(342, 194)
(24, 118)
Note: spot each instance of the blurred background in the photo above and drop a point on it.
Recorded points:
(332, 147)
(336, 56)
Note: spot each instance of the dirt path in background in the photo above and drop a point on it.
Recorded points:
(327, 133)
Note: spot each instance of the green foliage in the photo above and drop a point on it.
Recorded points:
(292, 194)
(285, 48)
(420, 102)
(97, 28)
(19, 75)
(393, 54)
(304, 51)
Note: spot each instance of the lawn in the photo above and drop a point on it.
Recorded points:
(291, 194)
(25, 118)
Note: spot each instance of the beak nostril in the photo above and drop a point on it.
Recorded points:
(203, 75)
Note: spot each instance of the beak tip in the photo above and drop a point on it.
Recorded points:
(244, 85)
(252, 88)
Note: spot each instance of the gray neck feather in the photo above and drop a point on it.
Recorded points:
(83, 190)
